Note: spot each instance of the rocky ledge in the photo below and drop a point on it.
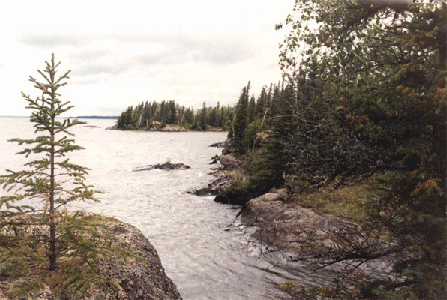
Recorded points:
(297, 234)
(139, 277)
(166, 166)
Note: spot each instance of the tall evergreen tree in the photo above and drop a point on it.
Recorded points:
(203, 117)
(213, 118)
(252, 110)
(240, 122)
(189, 117)
(274, 94)
(262, 105)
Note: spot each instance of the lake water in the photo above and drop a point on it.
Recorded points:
(203, 258)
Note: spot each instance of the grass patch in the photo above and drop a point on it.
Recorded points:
(351, 201)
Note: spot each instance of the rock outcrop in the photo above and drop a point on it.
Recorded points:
(139, 277)
(171, 128)
(224, 176)
(136, 279)
(215, 159)
(300, 234)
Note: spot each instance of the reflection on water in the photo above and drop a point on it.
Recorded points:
(203, 259)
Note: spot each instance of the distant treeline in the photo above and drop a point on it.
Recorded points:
(153, 115)
(97, 117)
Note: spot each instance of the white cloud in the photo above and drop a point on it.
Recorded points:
(122, 53)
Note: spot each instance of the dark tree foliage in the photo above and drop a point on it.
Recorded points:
(240, 122)
(372, 100)
(262, 105)
(365, 100)
(203, 119)
(267, 167)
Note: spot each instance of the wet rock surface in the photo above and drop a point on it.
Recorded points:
(232, 197)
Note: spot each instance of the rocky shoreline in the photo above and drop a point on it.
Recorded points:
(299, 240)
(167, 128)
(298, 234)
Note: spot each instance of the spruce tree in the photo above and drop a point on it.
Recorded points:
(50, 178)
(252, 110)
(240, 122)
(203, 118)
(213, 118)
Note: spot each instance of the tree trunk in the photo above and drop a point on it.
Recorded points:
(52, 241)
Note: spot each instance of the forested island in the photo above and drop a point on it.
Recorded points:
(98, 117)
(171, 116)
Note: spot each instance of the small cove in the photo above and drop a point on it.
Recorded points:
(203, 258)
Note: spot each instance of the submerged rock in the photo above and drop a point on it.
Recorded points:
(205, 192)
(166, 166)
(218, 145)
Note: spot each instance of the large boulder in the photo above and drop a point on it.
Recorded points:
(299, 234)
(142, 278)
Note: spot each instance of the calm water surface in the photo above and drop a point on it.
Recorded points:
(203, 259)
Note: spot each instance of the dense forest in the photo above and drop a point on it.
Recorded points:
(363, 104)
(156, 115)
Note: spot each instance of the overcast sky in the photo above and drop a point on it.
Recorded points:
(124, 52)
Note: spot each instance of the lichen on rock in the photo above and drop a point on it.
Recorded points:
(138, 274)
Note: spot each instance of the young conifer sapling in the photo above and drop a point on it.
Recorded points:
(49, 177)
